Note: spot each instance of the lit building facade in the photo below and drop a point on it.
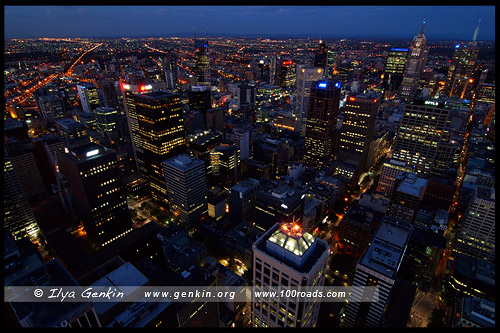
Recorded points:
(306, 76)
(202, 63)
(358, 129)
(476, 236)
(129, 90)
(162, 135)
(321, 122)
(89, 97)
(394, 69)
(93, 175)
(424, 138)
(185, 179)
(287, 256)
(19, 219)
(417, 56)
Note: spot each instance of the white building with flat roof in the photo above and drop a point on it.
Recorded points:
(287, 256)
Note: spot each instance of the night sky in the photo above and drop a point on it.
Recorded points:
(371, 22)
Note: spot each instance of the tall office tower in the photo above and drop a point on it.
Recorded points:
(93, 175)
(161, 130)
(476, 236)
(129, 90)
(202, 63)
(377, 267)
(417, 55)
(19, 219)
(424, 138)
(321, 56)
(358, 129)
(170, 72)
(274, 69)
(306, 77)
(287, 74)
(287, 256)
(107, 120)
(394, 69)
(409, 191)
(89, 96)
(462, 66)
(50, 107)
(186, 189)
(223, 168)
(330, 64)
(242, 199)
(321, 122)
(388, 173)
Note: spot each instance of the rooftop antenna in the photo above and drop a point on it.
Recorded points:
(476, 32)
(423, 28)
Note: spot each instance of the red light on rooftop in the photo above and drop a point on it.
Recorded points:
(352, 99)
(374, 101)
(143, 88)
(289, 62)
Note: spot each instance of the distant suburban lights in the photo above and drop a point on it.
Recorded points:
(322, 85)
(92, 152)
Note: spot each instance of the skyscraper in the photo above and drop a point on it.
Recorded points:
(287, 74)
(186, 189)
(321, 122)
(377, 267)
(321, 56)
(93, 174)
(417, 56)
(394, 69)
(202, 63)
(287, 256)
(358, 128)
(19, 219)
(89, 97)
(129, 90)
(424, 139)
(476, 236)
(306, 76)
(388, 173)
(462, 67)
(161, 131)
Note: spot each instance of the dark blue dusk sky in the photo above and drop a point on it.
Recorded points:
(442, 22)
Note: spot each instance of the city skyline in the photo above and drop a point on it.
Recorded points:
(382, 22)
